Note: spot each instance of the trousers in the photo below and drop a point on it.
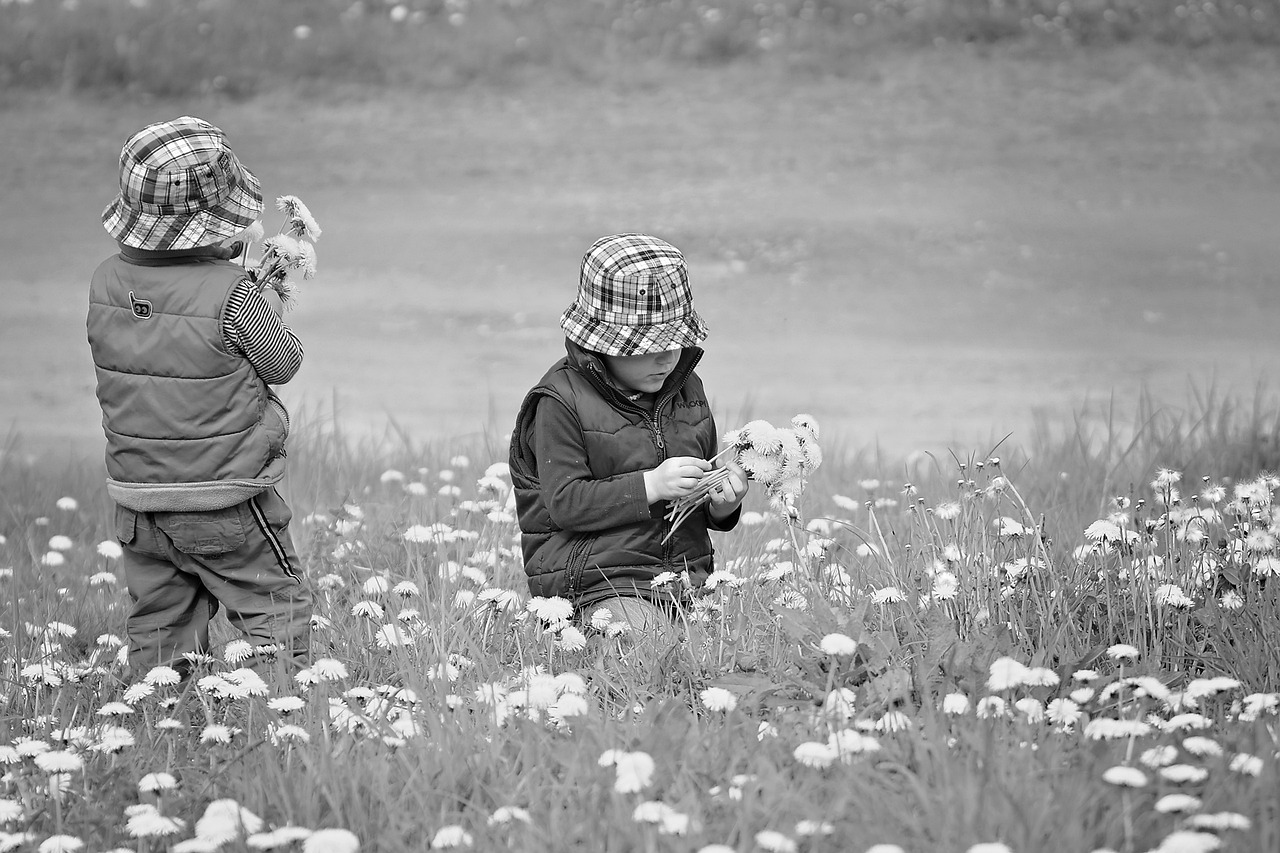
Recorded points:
(180, 566)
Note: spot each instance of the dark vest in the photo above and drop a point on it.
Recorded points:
(177, 407)
(620, 437)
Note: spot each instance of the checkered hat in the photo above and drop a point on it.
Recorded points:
(181, 187)
(633, 299)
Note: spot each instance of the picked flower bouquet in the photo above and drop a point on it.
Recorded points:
(290, 249)
(780, 458)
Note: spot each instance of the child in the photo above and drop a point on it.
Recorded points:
(614, 431)
(184, 346)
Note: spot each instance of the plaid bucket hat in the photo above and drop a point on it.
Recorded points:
(181, 187)
(633, 299)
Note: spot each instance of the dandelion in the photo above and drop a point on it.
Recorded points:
(1246, 764)
(507, 814)
(328, 669)
(775, 842)
(815, 754)
(551, 610)
(955, 704)
(838, 645)
(1266, 567)
(450, 836)
(392, 636)
(887, 595)
(718, 699)
(811, 828)
(60, 543)
(991, 706)
(60, 844)
(1063, 712)
(989, 847)
(1220, 822)
(331, 841)
(225, 820)
(52, 560)
(634, 769)
(1122, 652)
(1177, 804)
(215, 733)
(145, 821)
(1183, 773)
(1202, 746)
(154, 783)
(59, 761)
(1006, 674)
(1187, 841)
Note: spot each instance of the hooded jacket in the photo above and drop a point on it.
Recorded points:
(594, 534)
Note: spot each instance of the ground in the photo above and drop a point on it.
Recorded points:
(922, 252)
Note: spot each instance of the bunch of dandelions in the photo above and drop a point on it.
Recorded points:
(779, 458)
(289, 250)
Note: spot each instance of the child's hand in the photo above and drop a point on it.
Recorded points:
(674, 478)
(729, 495)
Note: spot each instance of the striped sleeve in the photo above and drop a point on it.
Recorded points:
(252, 329)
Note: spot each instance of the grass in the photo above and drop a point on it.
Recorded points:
(1006, 662)
(239, 48)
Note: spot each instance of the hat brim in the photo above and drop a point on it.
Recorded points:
(597, 336)
(138, 230)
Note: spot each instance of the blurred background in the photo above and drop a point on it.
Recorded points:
(930, 223)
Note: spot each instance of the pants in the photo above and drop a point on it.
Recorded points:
(179, 566)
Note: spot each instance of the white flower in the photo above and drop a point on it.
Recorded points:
(162, 675)
(1181, 773)
(61, 543)
(955, 704)
(1202, 746)
(216, 733)
(815, 754)
(52, 560)
(1006, 674)
(156, 782)
(719, 699)
(226, 820)
(145, 821)
(1172, 595)
(634, 770)
(989, 847)
(550, 610)
(450, 836)
(838, 645)
(1122, 651)
(331, 841)
(506, 814)
(110, 549)
(1177, 804)
(1243, 762)
(571, 639)
(775, 842)
(392, 636)
(889, 594)
(1186, 841)
(1063, 712)
(1220, 821)
(59, 761)
(328, 669)
(58, 844)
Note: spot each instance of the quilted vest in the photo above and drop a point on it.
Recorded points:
(177, 407)
(620, 437)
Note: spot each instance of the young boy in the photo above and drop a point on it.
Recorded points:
(184, 346)
(612, 433)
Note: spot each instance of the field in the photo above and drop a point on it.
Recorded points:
(1024, 281)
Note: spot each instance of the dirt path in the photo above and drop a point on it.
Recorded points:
(921, 255)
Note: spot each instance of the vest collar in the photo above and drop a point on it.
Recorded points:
(592, 366)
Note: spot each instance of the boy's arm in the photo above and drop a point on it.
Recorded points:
(575, 500)
(254, 329)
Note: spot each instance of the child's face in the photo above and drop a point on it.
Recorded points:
(642, 372)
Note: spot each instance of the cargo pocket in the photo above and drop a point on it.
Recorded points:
(126, 525)
(204, 533)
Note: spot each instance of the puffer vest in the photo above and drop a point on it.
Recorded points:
(177, 407)
(620, 437)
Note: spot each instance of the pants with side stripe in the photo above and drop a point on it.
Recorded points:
(180, 566)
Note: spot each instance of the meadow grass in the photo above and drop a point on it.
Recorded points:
(1069, 647)
(238, 48)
